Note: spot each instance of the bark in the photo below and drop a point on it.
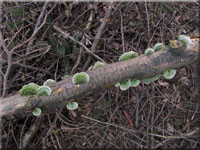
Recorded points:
(65, 91)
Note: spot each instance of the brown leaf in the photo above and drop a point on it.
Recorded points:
(179, 105)
(165, 84)
(133, 99)
(184, 80)
(73, 113)
(129, 119)
(182, 72)
(170, 128)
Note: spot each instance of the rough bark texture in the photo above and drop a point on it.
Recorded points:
(64, 91)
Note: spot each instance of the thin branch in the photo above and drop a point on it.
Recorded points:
(146, 9)
(142, 67)
(33, 35)
(66, 35)
(122, 31)
(36, 29)
(98, 36)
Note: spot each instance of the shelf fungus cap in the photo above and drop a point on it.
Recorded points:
(124, 85)
(185, 40)
(98, 64)
(128, 56)
(80, 78)
(37, 112)
(49, 82)
(149, 51)
(169, 74)
(135, 82)
(117, 84)
(151, 79)
(64, 77)
(44, 91)
(30, 89)
(72, 105)
(158, 46)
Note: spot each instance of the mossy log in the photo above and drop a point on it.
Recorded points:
(64, 91)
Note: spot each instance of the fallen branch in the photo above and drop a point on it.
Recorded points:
(64, 91)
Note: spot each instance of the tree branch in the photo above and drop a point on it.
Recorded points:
(64, 91)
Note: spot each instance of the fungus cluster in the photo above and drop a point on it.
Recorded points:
(185, 40)
(34, 89)
(98, 64)
(167, 74)
(124, 85)
(82, 77)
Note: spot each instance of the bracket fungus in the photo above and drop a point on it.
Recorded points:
(117, 84)
(135, 82)
(151, 79)
(169, 74)
(185, 40)
(158, 47)
(49, 82)
(80, 78)
(44, 91)
(149, 51)
(98, 64)
(72, 105)
(29, 89)
(124, 85)
(37, 112)
(128, 56)
(64, 77)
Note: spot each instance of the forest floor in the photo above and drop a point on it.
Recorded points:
(162, 114)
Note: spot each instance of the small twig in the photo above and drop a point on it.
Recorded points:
(5, 77)
(115, 125)
(122, 31)
(98, 36)
(104, 134)
(129, 119)
(16, 34)
(1, 63)
(0, 133)
(182, 136)
(32, 36)
(147, 19)
(77, 62)
(51, 127)
(152, 118)
(36, 29)
(31, 132)
(1, 75)
(66, 35)
(88, 26)
(33, 68)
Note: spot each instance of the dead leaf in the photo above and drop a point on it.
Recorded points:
(170, 128)
(165, 84)
(184, 80)
(68, 13)
(115, 46)
(177, 19)
(73, 113)
(182, 72)
(133, 99)
(179, 105)
(129, 119)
